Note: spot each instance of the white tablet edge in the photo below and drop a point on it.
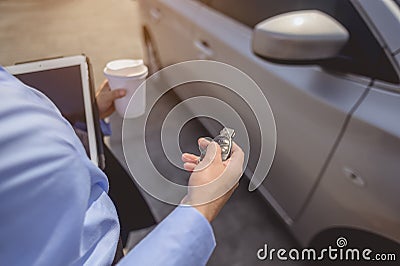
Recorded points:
(66, 62)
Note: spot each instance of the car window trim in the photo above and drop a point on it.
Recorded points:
(382, 41)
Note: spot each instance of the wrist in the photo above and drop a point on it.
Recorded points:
(202, 209)
(206, 211)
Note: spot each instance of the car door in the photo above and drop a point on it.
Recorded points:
(170, 25)
(310, 103)
(360, 186)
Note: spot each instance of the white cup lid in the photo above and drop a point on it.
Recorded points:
(126, 68)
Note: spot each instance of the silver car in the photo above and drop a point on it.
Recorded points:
(336, 99)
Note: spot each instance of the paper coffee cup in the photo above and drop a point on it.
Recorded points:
(128, 74)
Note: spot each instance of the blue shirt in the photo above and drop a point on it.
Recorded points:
(54, 207)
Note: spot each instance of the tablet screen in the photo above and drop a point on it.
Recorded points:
(66, 82)
(63, 86)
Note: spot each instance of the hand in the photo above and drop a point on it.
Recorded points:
(213, 181)
(105, 99)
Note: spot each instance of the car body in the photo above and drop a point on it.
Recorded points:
(338, 127)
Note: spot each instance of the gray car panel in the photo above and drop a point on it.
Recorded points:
(361, 185)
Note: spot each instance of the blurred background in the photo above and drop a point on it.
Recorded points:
(103, 30)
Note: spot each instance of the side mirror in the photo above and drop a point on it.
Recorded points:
(299, 35)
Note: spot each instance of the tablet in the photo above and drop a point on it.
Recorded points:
(67, 82)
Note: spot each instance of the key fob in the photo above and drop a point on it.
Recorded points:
(224, 140)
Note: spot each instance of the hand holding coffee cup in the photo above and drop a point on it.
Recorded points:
(128, 74)
(105, 98)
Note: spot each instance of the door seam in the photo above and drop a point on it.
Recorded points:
(334, 148)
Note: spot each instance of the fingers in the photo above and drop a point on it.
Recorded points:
(237, 153)
(189, 166)
(235, 147)
(109, 94)
(235, 163)
(190, 158)
(213, 152)
(103, 87)
(118, 93)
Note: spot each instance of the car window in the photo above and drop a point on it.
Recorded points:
(362, 55)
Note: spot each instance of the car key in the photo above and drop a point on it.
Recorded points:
(224, 140)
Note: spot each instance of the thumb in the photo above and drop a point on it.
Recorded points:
(213, 153)
(237, 154)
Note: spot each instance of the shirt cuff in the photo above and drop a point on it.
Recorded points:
(185, 237)
(202, 230)
(105, 128)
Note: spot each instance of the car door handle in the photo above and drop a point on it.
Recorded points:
(155, 14)
(204, 48)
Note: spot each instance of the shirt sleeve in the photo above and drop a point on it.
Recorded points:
(185, 237)
(54, 205)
